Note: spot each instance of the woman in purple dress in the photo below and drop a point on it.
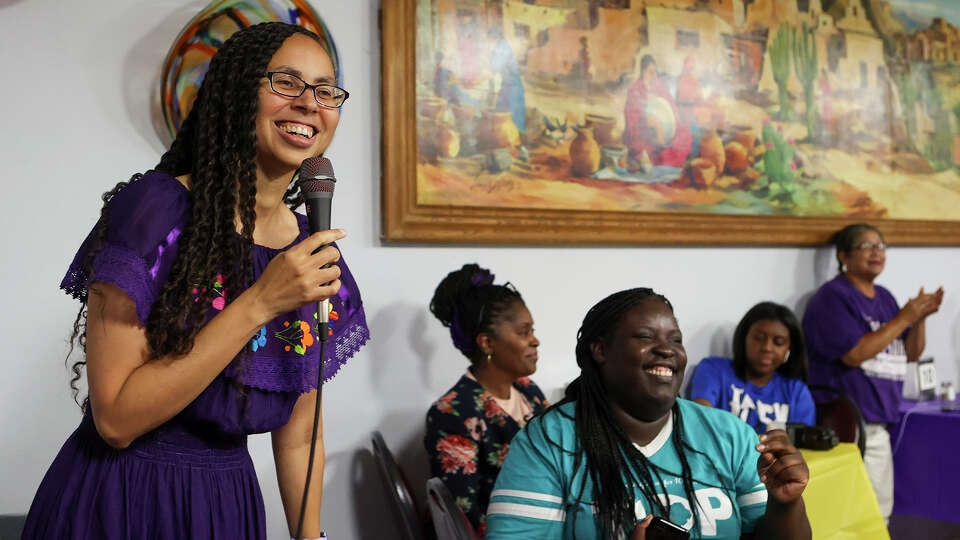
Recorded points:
(199, 288)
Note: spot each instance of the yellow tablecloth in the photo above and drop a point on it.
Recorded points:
(839, 499)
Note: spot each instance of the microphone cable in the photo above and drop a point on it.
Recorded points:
(323, 330)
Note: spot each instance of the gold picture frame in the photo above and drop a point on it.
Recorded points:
(410, 217)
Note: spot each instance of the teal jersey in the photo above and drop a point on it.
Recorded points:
(538, 492)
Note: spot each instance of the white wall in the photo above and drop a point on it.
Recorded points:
(74, 106)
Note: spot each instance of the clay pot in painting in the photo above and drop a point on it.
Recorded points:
(426, 143)
(463, 113)
(431, 107)
(447, 141)
(602, 128)
(749, 177)
(711, 148)
(584, 152)
(497, 130)
(466, 124)
(737, 157)
(747, 138)
(703, 171)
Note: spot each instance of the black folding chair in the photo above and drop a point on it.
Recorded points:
(836, 410)
(449, 521)
(11, 525)
(398, 488)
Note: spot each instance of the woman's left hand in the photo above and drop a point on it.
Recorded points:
(781, 466)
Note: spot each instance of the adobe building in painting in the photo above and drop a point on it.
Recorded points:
(767, 107)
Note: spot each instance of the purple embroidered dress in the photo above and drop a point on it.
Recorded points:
(192, 477)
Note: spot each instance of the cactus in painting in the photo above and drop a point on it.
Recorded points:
(779, 50)
(778, 164)
(806, 66)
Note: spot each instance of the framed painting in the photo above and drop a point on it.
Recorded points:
(670, 122)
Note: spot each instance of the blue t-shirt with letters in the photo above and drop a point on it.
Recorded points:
(782, 400)
(537, 494)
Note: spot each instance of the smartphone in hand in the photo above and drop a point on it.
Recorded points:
(662, 529)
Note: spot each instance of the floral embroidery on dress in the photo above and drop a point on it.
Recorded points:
(446, 403)
(259, 339)
(464, 504)
(467, 438)
(220, 301)
(491, 410)
(476, 427)
(297, 336)
(498, 453)
(331, 316)
(457, 452)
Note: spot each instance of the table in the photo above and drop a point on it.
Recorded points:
(839, 498)
(926, 461)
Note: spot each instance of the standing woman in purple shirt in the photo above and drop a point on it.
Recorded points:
(199, 289)
(860, 341)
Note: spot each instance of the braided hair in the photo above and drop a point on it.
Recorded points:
(217, 147)
(616, 468)
(844, 239)
(796, 368)
(468, 303)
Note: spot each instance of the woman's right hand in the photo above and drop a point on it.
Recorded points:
(922, 305)
(297, 277)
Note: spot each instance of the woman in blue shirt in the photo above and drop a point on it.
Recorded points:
(764, 383)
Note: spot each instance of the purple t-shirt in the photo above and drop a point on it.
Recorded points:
(837, 317)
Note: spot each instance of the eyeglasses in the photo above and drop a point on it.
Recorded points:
(870, 246)
(327, 95)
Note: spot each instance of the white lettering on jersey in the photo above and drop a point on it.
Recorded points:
(713, 505)
(741, 403)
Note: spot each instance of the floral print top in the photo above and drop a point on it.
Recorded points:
(468, 435)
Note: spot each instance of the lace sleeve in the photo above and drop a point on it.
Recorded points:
(139, 244)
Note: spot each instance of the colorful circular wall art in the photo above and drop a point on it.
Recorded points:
(189, 57)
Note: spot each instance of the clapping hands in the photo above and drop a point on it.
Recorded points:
(923, 305)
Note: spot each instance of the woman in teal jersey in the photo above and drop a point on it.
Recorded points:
(622, 447)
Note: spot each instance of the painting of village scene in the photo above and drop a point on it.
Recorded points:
(837, 108)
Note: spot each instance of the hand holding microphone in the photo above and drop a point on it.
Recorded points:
(300, 275)
(306, 272)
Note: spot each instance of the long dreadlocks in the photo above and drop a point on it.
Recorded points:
(616, 468)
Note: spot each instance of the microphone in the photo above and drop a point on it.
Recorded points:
(316, 182)
(316, 185)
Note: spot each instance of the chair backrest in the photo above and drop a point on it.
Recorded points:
(837, 411)
(449, 520)
(11, 526)
(398, 488)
